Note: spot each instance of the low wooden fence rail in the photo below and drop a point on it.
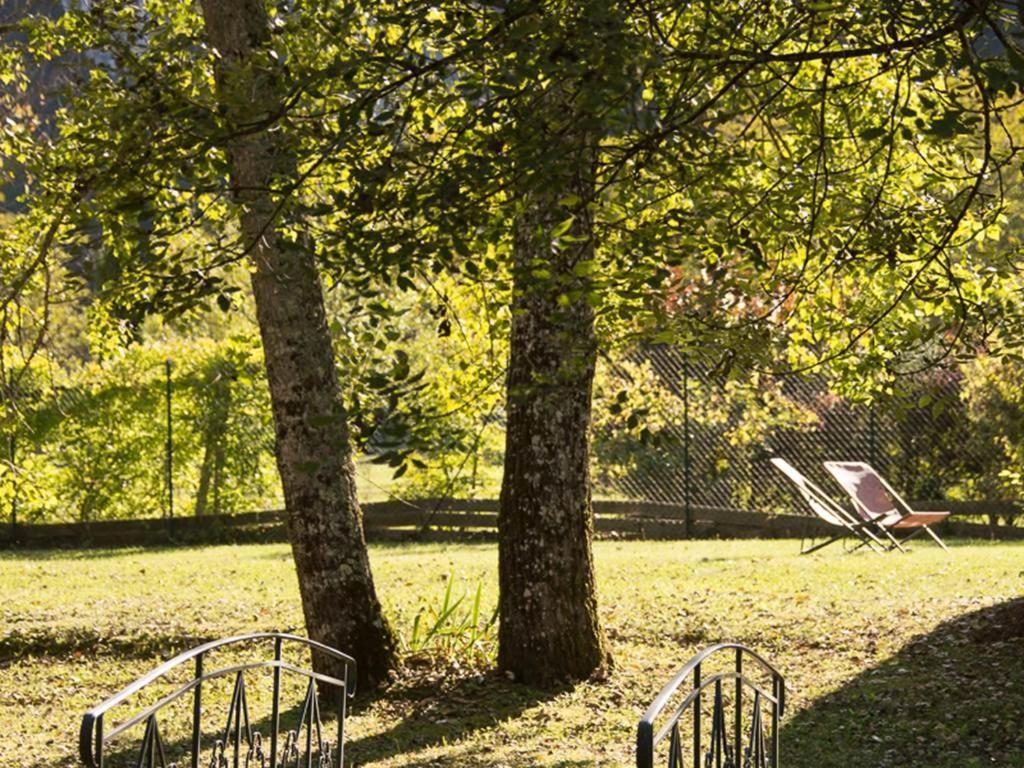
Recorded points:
(446, 519)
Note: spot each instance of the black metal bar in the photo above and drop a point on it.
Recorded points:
(776, 685)
(170, 442)
(675, 749)
(687, 487)
(718, 737)
(148, 748)
(738, 725)
(342, 706)
(645, 745)
(99, 742)
(696, 718)
(276, 706)
(159, 745)
(309, 725)
(244, 707)
(238, 721)
(197, 711)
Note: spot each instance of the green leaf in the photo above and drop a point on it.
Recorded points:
(563, 227)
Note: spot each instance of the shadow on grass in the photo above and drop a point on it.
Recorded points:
(123, 752)
(442, 713)
(954, 697)
(75, 553)
(59, 642)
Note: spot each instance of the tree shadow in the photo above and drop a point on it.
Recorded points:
(440, 712)
(124, 752)
(954, 697)
(25, 553)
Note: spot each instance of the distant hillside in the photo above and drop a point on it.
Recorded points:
(40, 100)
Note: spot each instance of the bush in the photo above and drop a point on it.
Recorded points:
(91, 443)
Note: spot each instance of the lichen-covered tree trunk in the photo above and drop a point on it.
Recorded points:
(314, 455)
(549, 630)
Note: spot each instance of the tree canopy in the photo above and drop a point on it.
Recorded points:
(793, 185)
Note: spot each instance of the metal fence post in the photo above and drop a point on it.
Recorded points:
(14, 483)
(872, 435)
(687, 510)
(170, 442)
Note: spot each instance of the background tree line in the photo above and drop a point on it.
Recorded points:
(91, 443)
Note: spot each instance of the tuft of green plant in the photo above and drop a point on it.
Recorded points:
(454, 632)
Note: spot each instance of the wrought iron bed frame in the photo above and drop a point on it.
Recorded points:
(152, 753)
(720, 754)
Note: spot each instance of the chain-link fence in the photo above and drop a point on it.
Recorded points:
(706, 436)
(194, 436)
(144, 437)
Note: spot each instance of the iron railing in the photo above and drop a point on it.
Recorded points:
(240, 744)
(722, 749)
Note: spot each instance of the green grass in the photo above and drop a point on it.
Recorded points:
(894, 661)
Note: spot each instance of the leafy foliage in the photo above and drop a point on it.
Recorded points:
(994, 404)
(454, 632)
(92, 442)
(825, 177)
(801, 183)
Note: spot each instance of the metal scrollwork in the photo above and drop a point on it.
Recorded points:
(255, 756)
(719, 754)
(234, 743)
(217, 758)
(737, 735)
(151, 755)
(756, 753)
(307, 739)
(675, 749)
(290, 751)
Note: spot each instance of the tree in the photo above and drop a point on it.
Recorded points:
(786, 182)
(513, 129)
(550, 629)
(314, 454)
(182, 179)
(549, 626)
(795, 181)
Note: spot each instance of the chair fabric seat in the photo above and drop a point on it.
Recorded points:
(914, 519)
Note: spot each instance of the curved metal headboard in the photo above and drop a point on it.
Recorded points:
(93, 736)
(647, 739)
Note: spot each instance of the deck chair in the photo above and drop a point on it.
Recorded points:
(829, 511)
(876, 501)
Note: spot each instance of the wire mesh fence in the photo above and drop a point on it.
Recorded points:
(714, 434)
(195, 437)
(144, 438)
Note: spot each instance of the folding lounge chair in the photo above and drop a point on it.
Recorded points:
(876, 501)
(828, 510)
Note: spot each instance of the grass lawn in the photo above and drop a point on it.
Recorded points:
(909, 660)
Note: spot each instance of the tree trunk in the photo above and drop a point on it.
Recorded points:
(549, 630)
(313, 449)
(214, 420)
